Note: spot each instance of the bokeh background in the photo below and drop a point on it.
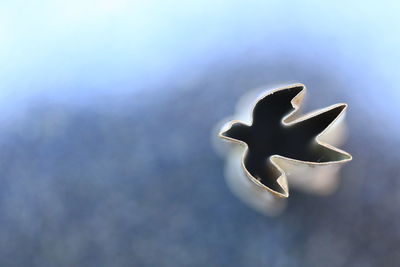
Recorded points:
(106, 114)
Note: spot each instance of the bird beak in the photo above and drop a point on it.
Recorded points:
(225, 130)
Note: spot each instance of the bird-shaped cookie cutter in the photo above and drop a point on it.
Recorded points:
(276, 146)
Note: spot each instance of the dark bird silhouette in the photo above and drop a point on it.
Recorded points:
(275, 131)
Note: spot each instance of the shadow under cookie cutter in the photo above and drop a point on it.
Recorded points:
(276, 147)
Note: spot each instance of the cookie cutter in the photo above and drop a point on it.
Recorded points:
(276, 146)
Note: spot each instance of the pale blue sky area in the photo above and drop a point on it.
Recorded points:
(78, 48)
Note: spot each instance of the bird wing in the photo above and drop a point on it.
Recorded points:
(274, 106)
(321, 153)
(317, 123)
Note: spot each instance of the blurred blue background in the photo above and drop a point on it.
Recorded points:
(106, 114)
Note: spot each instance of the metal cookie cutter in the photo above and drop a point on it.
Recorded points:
(275, 146)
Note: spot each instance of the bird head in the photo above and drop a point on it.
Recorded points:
(235, 131)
